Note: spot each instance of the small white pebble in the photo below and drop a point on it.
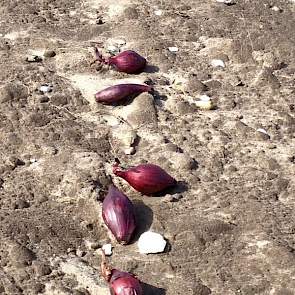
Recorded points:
(129, 151)
(120, 41)
(151, 242)
(204, 105)
(173, 49)
(275, 8)
(262, 130)
(225, 1)
(113, 49)
(158, 12)
(72, 12)
(33, 58)
(217, 63)
(205, 97)
(107, 249)
(45, 88)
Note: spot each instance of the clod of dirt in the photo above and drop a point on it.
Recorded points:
(21, 256)
(13, 91)
(140, 113)
(194, 85)
(49, 53)
(85, 275)
(40, 268)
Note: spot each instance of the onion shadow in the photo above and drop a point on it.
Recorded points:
(152, 290)
(151, 69)
(144, 218)
(178, 188)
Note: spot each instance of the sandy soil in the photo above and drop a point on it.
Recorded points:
(232, 232)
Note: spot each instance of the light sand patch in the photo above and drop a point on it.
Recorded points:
(16, 34)
(113, 8)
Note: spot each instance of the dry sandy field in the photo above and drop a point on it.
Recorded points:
(230, 221)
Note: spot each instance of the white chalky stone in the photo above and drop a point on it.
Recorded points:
(262, 130)
(151, 242)
(225, 1)
(45, 88)
(217, 63)
(173, 49)
(107, 249)
(205, 98)
(158, 12)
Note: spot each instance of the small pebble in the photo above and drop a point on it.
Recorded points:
(158, 12)
(120, 41)
(204, 105)
(217, 63)
(33, 58)
(205, 97)
(262, 134)
(225, 1)
(262, 130)
(129, 151)
(151, 242)
(172, 198)
(107, 248)
(45, 88)
(275, 8)
(173, 49)
(49, 53)
(44, 99)
(113, 49)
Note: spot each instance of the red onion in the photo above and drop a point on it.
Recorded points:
(120, 283)
(119, 92)
(127, 61)
(146, 178)
(124, 283)
(118, 215)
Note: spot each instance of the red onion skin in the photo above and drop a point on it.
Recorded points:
(146, 178)
(119, 92)
(124, 283)
(118, 215)
(128, 61)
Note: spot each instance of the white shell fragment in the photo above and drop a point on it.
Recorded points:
(173, 49)
(107, 249)
(217, 63)
(151, 242)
